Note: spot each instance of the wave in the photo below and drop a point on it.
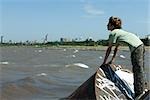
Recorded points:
(75, 51)
(71, 56)
(4, 63)
(122, 56)
(78, 64)
(13, 90)
(28, 87)
(42, 74)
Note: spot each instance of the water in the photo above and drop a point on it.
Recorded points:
(28, 73)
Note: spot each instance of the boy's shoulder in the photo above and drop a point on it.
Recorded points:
(119, 32)
(116, 31)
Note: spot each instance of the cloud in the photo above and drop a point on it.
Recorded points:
(92, 11)
(89, 9)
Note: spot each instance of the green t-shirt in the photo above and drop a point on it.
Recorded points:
(119, 36)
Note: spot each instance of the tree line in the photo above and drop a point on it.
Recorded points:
(87, 42)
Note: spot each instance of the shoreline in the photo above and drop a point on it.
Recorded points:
(95, 48)
(126, 48)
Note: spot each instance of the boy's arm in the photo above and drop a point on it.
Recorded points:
(115, 52)
(107, 53)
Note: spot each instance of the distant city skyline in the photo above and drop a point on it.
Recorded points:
(31, 20)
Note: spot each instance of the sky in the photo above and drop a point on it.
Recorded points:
(22, 20)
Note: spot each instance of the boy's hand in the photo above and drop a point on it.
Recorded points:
(110, 62)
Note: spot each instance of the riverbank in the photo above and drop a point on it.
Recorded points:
(95, 48)
(126, 48)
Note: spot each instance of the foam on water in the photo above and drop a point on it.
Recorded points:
(4, 63)
(78, 64)
(71, 56)
(81, 65)
(100, 57)
(111, 54)
(64, 50)
(39, 50)
(122, 56)
(42, 74)
(75, 51)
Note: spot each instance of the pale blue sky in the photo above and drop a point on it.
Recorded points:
(22, 20)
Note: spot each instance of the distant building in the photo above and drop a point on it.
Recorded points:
(45, 39)
(64, 40)
(2, 41)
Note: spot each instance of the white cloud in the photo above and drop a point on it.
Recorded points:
(91, 11)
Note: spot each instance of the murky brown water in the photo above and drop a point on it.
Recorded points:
(28, 73)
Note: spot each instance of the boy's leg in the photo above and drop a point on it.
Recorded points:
(137, 59)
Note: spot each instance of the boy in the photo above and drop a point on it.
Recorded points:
(118, 36)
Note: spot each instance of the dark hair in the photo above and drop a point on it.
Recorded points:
(116, 22)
